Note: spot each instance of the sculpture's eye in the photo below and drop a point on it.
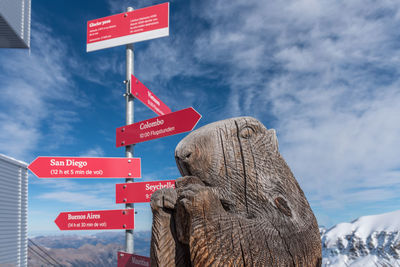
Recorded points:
(282, 205)
(246, 132)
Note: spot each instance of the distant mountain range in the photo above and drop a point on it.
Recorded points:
(367, 241)
(94, 250)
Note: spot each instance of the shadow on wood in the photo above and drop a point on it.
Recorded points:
(236, 204)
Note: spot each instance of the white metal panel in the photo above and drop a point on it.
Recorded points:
(27, 22)
(11, 10)
(13, 212)
(15, 23)
(24, 217)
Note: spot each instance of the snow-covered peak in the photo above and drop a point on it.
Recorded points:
(368, 241)
(366, 225)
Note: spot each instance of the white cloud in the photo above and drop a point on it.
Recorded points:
(324, 74)
(73, 191)
(80, 199)
(119, 6)
(99, 188)
(159, 61)
(34, 89)
(93, 152)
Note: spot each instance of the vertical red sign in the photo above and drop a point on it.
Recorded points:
(147, 97)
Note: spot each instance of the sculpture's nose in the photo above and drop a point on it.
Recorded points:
(183, 159)
(186, 155)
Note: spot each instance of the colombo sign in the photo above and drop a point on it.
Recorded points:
(173, 123)
(80, 167)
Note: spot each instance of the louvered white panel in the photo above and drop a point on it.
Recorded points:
(27, 22)
(15, 23)
(13, 212)
(11, 10)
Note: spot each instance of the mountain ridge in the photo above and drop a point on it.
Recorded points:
(372, 240)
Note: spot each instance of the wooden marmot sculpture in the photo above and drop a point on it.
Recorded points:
(237, 204)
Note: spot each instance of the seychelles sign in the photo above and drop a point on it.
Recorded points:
(139, 192)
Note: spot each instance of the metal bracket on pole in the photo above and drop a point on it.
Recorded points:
(128, 88)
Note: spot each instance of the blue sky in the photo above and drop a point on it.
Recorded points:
(323, 74)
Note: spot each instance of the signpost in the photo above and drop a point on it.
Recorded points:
(173, 123)
(122, 29)
(80, 167)
(139, 192)
(96, 220)
(128, 27)
(142, 93)
(132, 260)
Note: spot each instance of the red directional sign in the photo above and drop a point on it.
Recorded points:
(132, 260)
(139, 192)
(96, 220)
(78, 167)
(142, 93)
(128, 27)
(173, 123)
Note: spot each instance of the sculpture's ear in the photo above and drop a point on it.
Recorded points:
(273, 140)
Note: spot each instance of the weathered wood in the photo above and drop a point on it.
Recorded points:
(237, 204)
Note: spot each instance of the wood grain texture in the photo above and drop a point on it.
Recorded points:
(236, 204)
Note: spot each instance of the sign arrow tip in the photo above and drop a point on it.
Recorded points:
(57, 221)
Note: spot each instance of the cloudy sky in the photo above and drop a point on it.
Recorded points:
(324, 74)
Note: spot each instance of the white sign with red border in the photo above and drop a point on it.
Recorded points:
(128, 27)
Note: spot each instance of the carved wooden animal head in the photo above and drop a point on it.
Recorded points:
(238, 203)
(239, 159)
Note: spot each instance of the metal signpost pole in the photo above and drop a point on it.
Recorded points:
(129, 240)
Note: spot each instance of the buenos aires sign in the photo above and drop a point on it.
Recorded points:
(96, 220)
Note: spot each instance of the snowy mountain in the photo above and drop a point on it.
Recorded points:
(367, 241)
